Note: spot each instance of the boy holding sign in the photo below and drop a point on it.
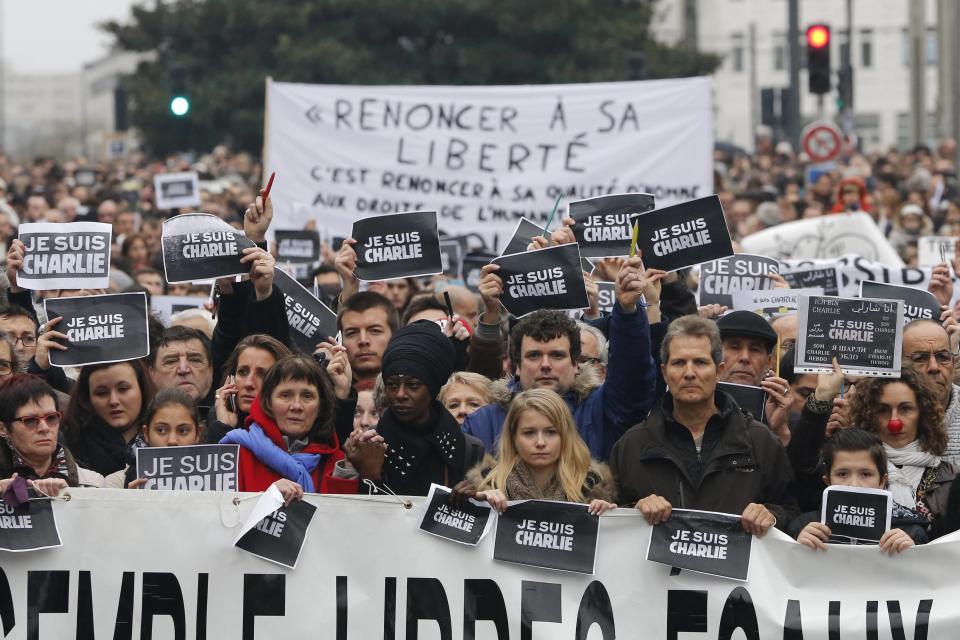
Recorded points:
(856, 458)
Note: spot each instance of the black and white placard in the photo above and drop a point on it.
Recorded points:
(274, 532)
(29, 526)
(202, 467)
(702, 541)
(107, 328)
(399, 245)
(522, 236)
(553, 535)
(747, 397)
(917, 303)
(297, 246)
(200, 246)
(607, 296)
(473, 264)
(451, 258)
(856, 513)
(773, 302)
(720, 279)
(70, 255)
(311, 322)
(603, 226)
(167, 306)
(465, 523)
(177, 190)
(865, 335)
(85, 177)
(826, 277)
(683, 235)
(548, 278)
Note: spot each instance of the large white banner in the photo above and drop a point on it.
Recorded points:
(854, 269)
(829, 236)
(138, 564)
(483, 157)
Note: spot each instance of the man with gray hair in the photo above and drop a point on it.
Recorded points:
(697, 449)
(593, 350)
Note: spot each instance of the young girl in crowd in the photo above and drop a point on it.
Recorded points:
(541, 457)
(171, 421)
(289, 437)
(856, 458)
(106, 411)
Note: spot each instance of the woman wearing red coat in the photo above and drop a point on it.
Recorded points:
(289, 437)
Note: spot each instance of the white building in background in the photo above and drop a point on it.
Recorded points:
(99, 81)
(41, 114)
(880, 59)
(63, 114)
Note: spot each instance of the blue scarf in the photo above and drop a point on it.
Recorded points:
(296, 466)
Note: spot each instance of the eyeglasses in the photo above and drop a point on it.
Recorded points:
(588, 360)
(6, 367)
(923, 357)
(26, 340)
(32, 422)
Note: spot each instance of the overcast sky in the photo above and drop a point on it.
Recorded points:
(44, 36)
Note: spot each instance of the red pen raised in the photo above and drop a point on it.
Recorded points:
(266, 192)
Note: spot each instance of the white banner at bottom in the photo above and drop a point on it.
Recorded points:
(138, 564)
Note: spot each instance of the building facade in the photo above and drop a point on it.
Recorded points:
(751, 35)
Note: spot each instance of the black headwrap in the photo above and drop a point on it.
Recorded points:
(420, 350)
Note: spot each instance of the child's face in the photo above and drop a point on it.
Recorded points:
(172, 426)
(855, 469)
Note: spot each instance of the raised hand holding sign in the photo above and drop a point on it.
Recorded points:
(200, 246)
(632, 280)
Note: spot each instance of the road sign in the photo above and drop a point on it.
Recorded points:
(822, 141)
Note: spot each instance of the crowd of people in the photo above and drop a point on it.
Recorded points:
(606, 409)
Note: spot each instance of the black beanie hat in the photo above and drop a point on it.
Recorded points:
(420, 350)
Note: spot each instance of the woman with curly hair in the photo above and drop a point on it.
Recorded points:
(907, 417)
(541, 457)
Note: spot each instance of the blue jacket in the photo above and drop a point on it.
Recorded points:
(602, 413)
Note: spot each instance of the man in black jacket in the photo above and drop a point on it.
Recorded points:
(697, 449)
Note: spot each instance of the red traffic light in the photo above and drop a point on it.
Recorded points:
(818, 36)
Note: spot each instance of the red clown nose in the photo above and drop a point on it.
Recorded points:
(895, 425)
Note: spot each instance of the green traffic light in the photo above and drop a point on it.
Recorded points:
(179, 106)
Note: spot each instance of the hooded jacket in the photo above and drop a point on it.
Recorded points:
(254, 475)
(740, 462)
(861, 187)
(602, 412)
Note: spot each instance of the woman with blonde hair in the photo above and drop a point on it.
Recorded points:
(464, 393)
(541, 457)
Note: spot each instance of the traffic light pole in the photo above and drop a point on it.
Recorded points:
(793, 104)
(917, 60)
(846, 63)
